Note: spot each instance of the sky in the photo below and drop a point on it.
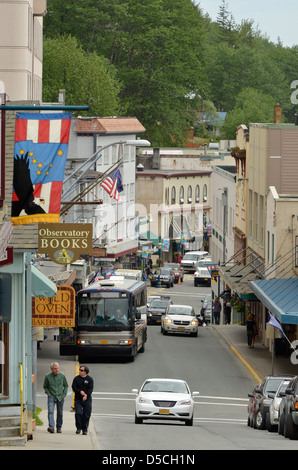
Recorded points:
(272, 17)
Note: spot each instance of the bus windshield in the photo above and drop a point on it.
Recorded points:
(104, 312)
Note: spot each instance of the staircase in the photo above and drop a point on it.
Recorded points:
(10, 423)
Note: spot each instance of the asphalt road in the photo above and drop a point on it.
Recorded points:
(207, 365)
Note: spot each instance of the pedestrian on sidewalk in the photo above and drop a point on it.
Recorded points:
(82, 386)
(251, 330)
(55, 386)
(217, 310)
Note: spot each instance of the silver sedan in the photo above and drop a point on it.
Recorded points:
(169, 399)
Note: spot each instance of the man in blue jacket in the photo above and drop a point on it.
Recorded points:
(82, 386)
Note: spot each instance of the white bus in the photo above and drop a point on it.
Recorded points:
(108, 321)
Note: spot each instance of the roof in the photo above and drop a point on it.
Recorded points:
(279, 296)
(109, 125)
(173, 173)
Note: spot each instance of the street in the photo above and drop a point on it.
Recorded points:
(206, 364)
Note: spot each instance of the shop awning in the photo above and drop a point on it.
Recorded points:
(237, 277)
(41, 286)
(279, 296)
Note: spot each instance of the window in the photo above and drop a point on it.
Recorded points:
(181, 195)
(189, 194)
(173, 195)
(205, 193)
(197, 193)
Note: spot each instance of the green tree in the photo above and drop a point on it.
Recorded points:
(83, 76)
(251, 106)
(156, 47)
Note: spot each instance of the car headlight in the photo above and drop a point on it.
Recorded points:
(144, 400)
(184, 402)
(168, 320)
(194, 322)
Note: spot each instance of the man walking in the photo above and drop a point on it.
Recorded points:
(82, 386)
(55, 386)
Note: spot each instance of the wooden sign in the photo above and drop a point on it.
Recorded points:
(58, 311)
(64, 243)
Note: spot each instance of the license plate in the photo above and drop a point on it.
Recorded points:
(180, 327)
(164, 412)
(158, 320)
(206, 279)
(104, 341)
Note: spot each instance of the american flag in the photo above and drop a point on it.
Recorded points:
(113, 184)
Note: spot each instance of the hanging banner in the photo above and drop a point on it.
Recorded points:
(166, 245)
(58, 311)
(40, 152)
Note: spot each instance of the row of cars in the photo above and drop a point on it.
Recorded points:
(273, 405)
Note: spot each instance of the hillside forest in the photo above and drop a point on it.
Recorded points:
(167, 64)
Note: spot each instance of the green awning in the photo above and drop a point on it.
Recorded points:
(41, 286)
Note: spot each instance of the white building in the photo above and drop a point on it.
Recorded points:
(113, 222)
(223, 212)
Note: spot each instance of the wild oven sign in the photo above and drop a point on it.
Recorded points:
(58, 311)
(64, 243)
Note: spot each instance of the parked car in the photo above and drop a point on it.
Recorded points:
(288, 411)
(164, 399)
(206, 310)
(156, 308)
(177, 270)
(179, 319)
(273, 416)
(268, 387)
(190, 259)
(163, 276)
(202, 276)
(251, 405)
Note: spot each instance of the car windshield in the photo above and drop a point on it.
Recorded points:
(273, 384)
(159, 303)
(165, 271)
(283, 387)
(190, 257)
(176, 310)
(166, 386)
(204, 271)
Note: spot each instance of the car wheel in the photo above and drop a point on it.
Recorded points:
(259, 421)
(138, 420)
(291, 430)
(281, 425)
(189, 422)
(270, 427)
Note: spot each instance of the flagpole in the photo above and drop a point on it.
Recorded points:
(273, 352)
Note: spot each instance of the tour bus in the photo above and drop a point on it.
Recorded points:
(108, 321)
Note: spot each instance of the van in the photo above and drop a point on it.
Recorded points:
(190, 259)
(128, 274)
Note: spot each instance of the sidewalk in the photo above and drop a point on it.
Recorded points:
(68, 439)
(258, 360)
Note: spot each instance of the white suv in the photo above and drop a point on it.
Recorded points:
(179, 319)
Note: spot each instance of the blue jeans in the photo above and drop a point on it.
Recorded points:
(51, 409)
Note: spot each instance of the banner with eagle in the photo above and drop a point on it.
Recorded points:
(40, 152)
